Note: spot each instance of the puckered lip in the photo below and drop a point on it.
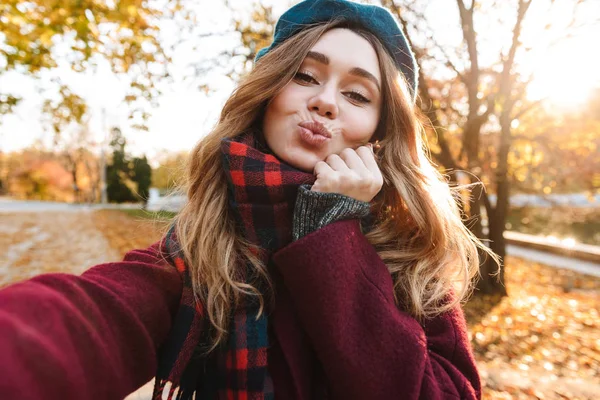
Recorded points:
(316, 127)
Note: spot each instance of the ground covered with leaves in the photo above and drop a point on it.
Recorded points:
(33, 243)
(540, 342)
(126, 230)
(543, 340)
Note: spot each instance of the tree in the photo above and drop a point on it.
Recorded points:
(254, 32)
(142, 176)
(71, 135)
(477, 100)
(37, 174)
(471, 104)
(117, 172)
(127, 179)
(554, 152)
(125, 33)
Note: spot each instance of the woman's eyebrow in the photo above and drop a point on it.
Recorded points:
(319, 57)
(323, 59)
(365, 74)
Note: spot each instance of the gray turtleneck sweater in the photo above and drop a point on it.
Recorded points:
(315, 210)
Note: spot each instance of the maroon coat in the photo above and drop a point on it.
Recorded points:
(96, 336)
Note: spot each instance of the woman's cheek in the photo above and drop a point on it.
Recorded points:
(362, 127)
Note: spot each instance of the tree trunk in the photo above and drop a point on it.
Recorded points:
(490, 282)
(485, 285)
(71, 162)
(75, 186)
(495, 273)
(91, 171)
(497, 216)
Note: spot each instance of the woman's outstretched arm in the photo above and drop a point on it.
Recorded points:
(343, 294)
(93, 336)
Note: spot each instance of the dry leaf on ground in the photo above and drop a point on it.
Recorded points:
(542, 341)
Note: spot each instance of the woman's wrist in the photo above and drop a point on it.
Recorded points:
(315, 210)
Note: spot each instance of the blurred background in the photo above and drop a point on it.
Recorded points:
(101, 100)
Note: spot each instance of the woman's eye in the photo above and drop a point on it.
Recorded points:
(357, 96)
(301, 76)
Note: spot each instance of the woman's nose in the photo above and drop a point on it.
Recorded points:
(324, 103)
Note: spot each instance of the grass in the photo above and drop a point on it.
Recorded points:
(152, 215)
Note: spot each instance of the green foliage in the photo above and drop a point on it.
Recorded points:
(142, 176)
(7, 103)
(117, 172)
(126, 180)
(124, 32)
(71, 108)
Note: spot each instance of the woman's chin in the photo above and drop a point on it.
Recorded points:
(304, 162)
(304, 166)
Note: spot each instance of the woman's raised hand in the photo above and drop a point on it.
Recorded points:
(353, 173)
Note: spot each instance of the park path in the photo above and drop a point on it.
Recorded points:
(38, 242)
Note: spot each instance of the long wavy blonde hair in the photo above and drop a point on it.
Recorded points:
(418, 231)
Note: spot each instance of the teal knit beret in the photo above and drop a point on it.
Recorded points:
(372, 18)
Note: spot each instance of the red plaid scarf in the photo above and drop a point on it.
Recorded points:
(262, 192)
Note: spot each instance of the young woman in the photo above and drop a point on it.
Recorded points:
(304, 265)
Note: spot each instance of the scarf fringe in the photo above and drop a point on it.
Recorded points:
(165, 390)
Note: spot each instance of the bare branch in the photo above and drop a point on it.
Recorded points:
(505, 86)
(530, 107)
(211, 34)
(468, 29)
(491, 101)
(447, 60)
(445, 156)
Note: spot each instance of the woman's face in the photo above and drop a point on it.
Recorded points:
(332, 103)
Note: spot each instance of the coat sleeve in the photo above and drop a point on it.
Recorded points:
(93, 336)
(343, 294)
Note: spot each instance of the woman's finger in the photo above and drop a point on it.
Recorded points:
(336, 163)
(322, 168)
(368, 158)
(353, 161)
